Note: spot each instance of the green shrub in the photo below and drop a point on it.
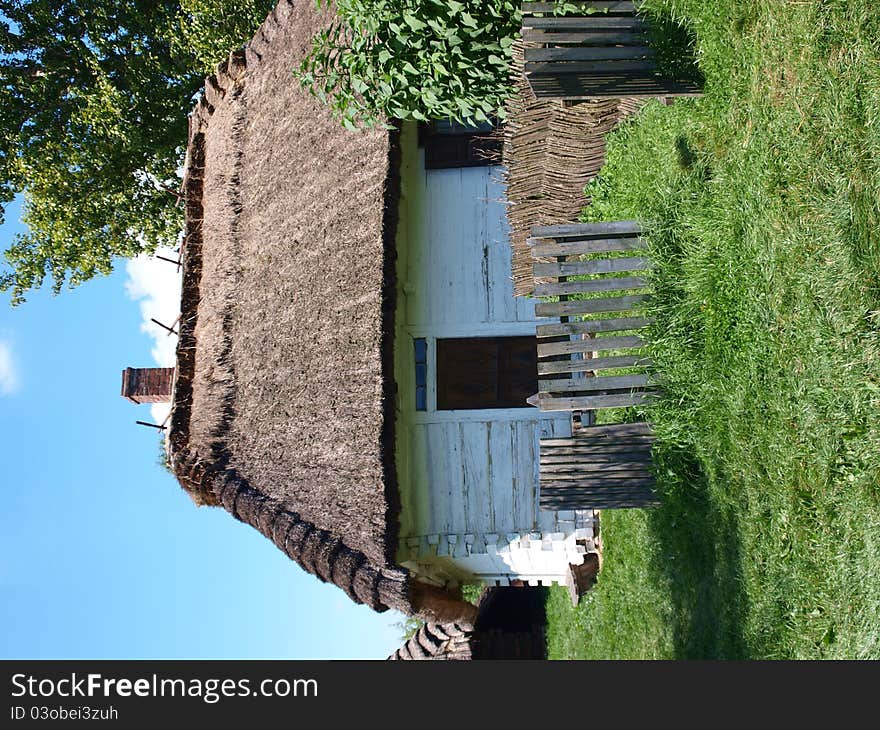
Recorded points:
(415, 59)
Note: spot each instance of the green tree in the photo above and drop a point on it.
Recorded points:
(208, 29)
(94, 97)
(409, 627)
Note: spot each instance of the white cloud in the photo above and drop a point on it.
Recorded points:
(159, 412)
(8, 373)
(156, 285)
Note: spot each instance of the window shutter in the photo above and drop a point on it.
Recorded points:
(486, 372)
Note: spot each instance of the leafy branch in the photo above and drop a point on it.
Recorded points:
(415, 59)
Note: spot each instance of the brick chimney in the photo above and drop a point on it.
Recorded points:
(147, 385)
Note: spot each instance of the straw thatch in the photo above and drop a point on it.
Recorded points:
(552, 149)
(283, 397)
(439, 642)
(456, 642)
(510, 624)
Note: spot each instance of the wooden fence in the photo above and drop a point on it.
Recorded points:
(596, 326)
(600, 467)
(571, 352)
(601, 55)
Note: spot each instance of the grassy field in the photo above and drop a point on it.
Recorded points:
(765, 201)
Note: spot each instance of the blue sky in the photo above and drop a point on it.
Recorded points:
(102, 555)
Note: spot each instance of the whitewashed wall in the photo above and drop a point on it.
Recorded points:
(468, 479)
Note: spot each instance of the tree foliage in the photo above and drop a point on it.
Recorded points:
(209, 29)
(415, 59)
(94, 97)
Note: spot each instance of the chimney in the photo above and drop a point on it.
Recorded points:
(147, 385)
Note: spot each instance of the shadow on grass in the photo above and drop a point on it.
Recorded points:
(699, 557)
(674, 46)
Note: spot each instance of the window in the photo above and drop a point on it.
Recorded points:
(449, 144)
(486, 372)
(420, 345)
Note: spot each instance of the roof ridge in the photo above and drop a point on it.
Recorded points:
(232, 70)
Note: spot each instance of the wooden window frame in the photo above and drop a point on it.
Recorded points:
(445, 150)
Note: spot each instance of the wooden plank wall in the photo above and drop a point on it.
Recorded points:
(479, 477)
(469, 479)
(600, 55)
(459, 272)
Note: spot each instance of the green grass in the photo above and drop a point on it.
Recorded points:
(764, 198)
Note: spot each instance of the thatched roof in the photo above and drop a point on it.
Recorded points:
(282, 408)
(510, 624)
(439, 642)
(461, 642)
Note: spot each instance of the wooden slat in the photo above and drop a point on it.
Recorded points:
(634, 457)
(605, 483)
(599, 266)
(541, 247)
(611, 6)
(576, 230)
(587, 23)
(564, 288)
(593, 364)
(630, 444)
(598, 484)
(573, 474)
(600, 445)
(602, 440)
(589, 286)
(638, 428)
(583, 385)
(579, 38)
(590, 53)
(575, 86)
(622, 444)
(588, 306)
(598, 468)
(641, 471)
(592, 326)
(636, 460)
(625, 484)
(599, 504)
(541, 70)
(593, 402)
(591, 344)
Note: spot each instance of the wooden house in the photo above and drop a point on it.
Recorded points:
(353, 367)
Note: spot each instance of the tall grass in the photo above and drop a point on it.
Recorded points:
(764, 203)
